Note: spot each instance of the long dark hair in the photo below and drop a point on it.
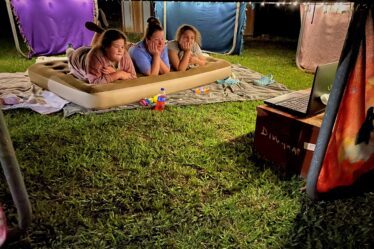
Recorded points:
(154, 25)
(109, 36)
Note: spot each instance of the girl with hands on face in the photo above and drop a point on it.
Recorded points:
(105, 62)
(184, 51)
(150, 55)
(154, 48)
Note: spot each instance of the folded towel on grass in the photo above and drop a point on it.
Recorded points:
(16, 91)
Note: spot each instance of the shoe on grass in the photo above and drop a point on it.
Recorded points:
(228, 81)
(264, 80)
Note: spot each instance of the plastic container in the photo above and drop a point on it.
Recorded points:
(201, 90)
(161, 100)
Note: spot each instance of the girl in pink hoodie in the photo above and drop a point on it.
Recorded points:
(105, 62)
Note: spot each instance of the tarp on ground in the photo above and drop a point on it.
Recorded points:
(215, 21)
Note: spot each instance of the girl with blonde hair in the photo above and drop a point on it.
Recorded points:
(185, 51)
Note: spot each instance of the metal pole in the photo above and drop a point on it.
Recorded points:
(14, 179)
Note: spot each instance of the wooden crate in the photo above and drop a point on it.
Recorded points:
(286, 140)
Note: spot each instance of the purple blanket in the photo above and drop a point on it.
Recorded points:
(48, 26)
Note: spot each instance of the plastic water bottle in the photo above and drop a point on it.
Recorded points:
(161, 100)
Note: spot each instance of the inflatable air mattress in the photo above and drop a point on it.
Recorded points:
(54, 76)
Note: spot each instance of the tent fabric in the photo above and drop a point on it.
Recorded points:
(215, 21)
(345, 145)
(322, 33)
(49, 26)
(350, 152)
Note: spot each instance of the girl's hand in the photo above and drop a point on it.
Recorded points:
(152, 48)
(124, 75)
(186, 46)
(161, 48)
(194, 60)
(108, 70)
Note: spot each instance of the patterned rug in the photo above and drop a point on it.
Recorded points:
(216, 93)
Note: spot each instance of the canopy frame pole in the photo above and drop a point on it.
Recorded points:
(236, 27)
(14, 30)
(15, 181)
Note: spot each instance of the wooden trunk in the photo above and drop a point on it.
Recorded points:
(286, 140)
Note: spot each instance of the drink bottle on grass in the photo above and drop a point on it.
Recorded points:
(161, 100)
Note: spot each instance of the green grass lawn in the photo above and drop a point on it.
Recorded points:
(183, 178)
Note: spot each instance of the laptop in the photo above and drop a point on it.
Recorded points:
(305, 103)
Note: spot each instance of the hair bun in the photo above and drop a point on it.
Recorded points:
(153, 20)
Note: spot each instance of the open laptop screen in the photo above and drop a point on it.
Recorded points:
(307, 102)
(323, 80)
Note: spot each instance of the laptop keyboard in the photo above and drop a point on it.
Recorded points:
(299, 103)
